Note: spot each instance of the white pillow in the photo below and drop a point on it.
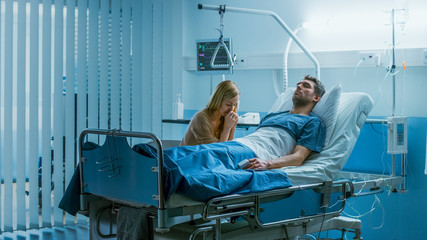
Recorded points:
(326, 108)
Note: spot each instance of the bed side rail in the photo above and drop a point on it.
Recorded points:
(162, 211)
(249, 204)
(369, 184)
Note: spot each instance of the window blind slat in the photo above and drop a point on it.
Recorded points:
(125, 66)
(1, 135)
(93, 67)
(33, 114)
(81, 65)
(81, 72)
(147, 65)
(46, 115)
(137, 78)
(157, 77)
(58, 115)
(115, 65)
(21, 147)
(103, 71)
(70, 97)
(8, 133)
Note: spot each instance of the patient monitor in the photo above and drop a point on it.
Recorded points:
(206, 50)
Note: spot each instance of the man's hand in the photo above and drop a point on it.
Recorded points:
(257, 164)
(295, 159)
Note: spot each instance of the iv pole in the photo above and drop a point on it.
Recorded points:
(392, 72)
(276, 17)
(393, 66)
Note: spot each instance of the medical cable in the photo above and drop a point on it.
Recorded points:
(377, 200)
(323, 221)
(361, 189)
(305, 190)
(306, 236)
(359, 215)
(339, 201)
(379, 92)
(383, 134)
(324, 209)
(351, 206)
(356, 68)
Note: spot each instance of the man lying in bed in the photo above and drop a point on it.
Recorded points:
(282, 139)
(287, 138)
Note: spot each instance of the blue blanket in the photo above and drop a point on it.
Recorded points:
(200, 172)
(205, 171)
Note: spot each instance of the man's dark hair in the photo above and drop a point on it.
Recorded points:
(319, 88)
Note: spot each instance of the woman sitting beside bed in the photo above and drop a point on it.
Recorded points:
(217, 122)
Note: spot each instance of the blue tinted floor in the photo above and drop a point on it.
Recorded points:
(76, 232)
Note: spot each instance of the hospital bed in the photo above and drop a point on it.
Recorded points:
(122, 191)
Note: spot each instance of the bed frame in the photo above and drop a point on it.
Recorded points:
(114, 180)
(109, 171)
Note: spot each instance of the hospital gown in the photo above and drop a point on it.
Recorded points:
(278, 134)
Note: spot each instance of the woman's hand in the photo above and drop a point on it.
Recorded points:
(230, 120)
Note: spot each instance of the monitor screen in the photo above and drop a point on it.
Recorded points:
(205, 51)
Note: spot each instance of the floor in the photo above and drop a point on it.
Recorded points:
(79, 231)
(72, 232)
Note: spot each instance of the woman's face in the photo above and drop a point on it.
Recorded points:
(228, 105)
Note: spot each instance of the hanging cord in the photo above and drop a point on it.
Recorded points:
(377, 200)
(323, 221)
(357, 68)
(359, 215)
(221, 43)
(221, 21)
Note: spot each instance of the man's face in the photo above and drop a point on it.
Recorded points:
(305, 93)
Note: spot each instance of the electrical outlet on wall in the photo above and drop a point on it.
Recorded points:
(241, 62)
(370, 59)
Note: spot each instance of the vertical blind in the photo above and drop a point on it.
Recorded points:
(67, 65)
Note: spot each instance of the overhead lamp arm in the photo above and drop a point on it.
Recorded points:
(277, 18)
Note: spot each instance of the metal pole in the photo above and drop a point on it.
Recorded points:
(277, 18)
(393, 66)
(218, 229)
(403, 185)
(393, 167)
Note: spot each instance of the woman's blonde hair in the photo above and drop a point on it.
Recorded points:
(225, 90)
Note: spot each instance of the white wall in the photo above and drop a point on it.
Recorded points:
(333, 24)
(340, 27)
